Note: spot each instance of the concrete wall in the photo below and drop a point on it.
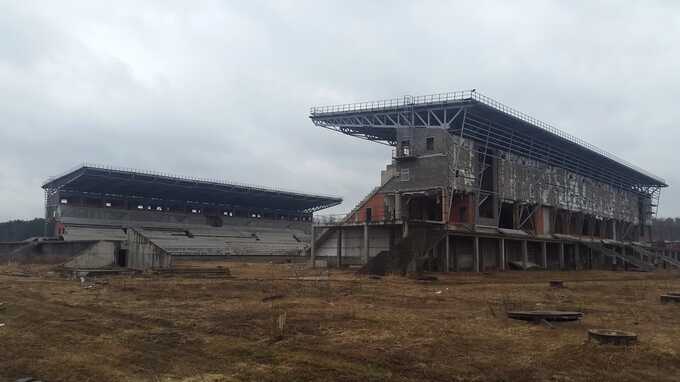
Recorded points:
(517, 178)
(99, 255)
(528, 181)
(353, 241)
(143, 254)
(48, 252)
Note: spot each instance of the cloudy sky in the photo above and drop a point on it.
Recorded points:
(223, 88)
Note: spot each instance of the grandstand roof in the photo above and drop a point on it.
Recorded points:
(102, 180)
(476, 116)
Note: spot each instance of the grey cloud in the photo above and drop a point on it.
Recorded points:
(222, 89)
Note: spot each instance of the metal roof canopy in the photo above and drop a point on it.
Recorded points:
(101, 180)
(471, 115)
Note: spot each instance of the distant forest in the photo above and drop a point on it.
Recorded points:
(666, 229)
(17, 230)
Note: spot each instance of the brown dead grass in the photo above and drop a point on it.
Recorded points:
(338, 327)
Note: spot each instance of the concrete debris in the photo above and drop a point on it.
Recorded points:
(273, 297)
(612, 337)
(547, 315)
(670, 298)
(2, 325)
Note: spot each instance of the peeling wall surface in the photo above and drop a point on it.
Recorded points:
(525, 180)
(455, 161)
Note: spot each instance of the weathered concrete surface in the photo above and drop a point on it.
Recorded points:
(100, 255)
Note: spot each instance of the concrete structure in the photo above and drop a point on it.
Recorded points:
(141, 219)
(498, 187)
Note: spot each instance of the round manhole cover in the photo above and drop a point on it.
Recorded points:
(547, 315)
(612, 337)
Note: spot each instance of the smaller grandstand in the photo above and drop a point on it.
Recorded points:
(153, 218)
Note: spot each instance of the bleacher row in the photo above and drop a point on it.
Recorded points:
(201, 240)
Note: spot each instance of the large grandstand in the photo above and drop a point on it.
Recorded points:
(154, 218)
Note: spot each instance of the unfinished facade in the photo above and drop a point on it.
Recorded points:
(476, 186)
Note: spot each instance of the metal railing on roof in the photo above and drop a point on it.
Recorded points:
(467, 95)
(186, 178)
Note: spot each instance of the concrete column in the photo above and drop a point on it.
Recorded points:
(397, 206)
(405, 232)
(476, 256)
(339, 247)
(525, 254)
(313, 247)
(366, 249)
(502, 261)
(562, 256)
(544, 254)
(448, 254)
(456, 266)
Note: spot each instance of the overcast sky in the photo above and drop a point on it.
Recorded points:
(223, 88)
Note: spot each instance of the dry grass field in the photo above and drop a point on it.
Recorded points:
(318, 325)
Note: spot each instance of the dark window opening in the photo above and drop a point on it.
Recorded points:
(429, 144)
(369, 215)
(506, 218)
(121, 261)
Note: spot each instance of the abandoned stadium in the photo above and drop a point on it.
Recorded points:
(473, 185)
(477, 186)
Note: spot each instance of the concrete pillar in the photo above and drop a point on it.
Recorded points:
(397, 206)
(366, 249)
(476, 255)
(525, 254)
(448, 254)
(501, 260)
(313, 247)
(456, 266)
(561, 256)
(544, 254)
(339, 247)
(405, 231)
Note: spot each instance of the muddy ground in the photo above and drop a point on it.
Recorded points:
(323, 326)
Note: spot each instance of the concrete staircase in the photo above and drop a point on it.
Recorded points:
(411, 251)
(642, 251)
(641, 265)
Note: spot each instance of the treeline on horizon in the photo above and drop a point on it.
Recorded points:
(18, 230)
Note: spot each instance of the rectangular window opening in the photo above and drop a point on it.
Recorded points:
(429, 144)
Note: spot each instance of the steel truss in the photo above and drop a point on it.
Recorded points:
(491, 125)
